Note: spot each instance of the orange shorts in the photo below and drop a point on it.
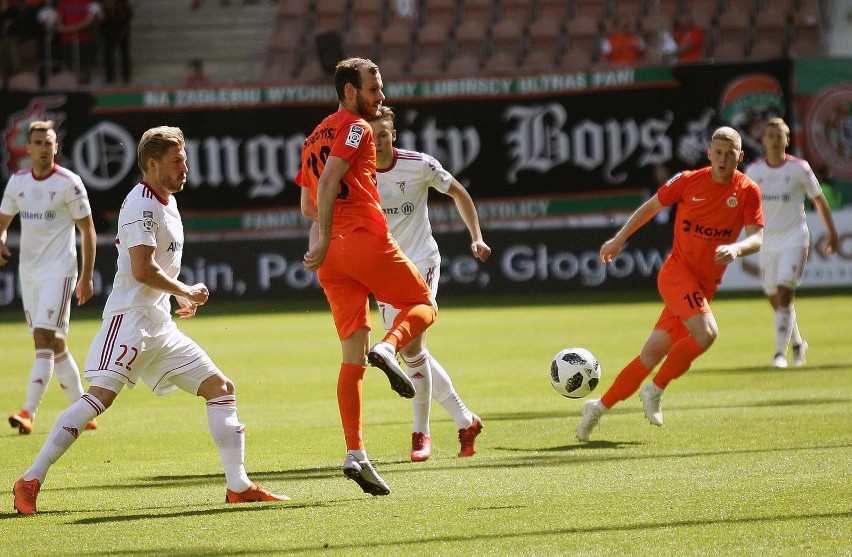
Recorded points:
(684, 297)
(362, 262)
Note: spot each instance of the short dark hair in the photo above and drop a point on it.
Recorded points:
(39, 126)
(349, 71)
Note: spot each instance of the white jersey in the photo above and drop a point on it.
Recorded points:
(404, 189)
(145, 220)
(48, 208)
(784, 188)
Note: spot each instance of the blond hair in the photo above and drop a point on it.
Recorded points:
(778, 123)
(726, 133)
(156, 142)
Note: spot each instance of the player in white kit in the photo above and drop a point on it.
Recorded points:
(404, 178)
(139, 339)
(784, 181)
(51, 201)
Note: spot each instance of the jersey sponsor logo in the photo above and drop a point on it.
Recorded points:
(707, 232)
(175, 246)
(390, 210)
(49, 215)
(353, 138)
(407, 208)
(31, 216)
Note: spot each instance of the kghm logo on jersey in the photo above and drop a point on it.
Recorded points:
(707, 232)
(353, 138)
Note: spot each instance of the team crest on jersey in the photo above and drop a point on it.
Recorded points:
(353, 138)
(401, 184)
(52, 194)
(77, 190)
(732, 202)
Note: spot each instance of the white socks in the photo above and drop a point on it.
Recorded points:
(65, 431)
(230, 438)
(40, 375)
(421, 375)
(783, 329)
(68, 375)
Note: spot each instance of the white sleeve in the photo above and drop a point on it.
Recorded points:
(139, 223)
(9, 205)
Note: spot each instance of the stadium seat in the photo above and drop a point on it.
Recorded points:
(433, 40)
(480, 10)
(360, 41)
(584, 33)
(464, 64)
(501, 63)
(772, 25)
(396, 41)
(728, 52)
(539, 60)
(517, 10)
(767, 50)
(471, 38)
(440, 11)
(507, 36)
(576, 59)
(545, 35)
(368, 14)
(427, 66)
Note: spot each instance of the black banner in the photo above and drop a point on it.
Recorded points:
(593, 139)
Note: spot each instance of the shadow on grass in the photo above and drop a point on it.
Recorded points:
(772, 372)
(417, 544)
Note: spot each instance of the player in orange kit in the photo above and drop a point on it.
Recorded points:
(354, 254)
(714, 204)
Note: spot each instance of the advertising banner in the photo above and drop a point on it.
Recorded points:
(587, 133)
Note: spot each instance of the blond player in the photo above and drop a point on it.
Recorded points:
(51, 201)
(404, 180)
(139, 339)
(785, 181)
(714, 204)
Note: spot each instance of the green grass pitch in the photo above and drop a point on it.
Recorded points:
(751, 460)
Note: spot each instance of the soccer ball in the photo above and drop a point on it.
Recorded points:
(574, 372)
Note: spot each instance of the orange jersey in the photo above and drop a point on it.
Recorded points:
(708, 215)
(346, 135)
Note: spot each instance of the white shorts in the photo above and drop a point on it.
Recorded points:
(782, 267)
(47, 304)
(431, 275)
(130, 346)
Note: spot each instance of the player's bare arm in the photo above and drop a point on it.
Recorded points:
(750, 244)
(5, 254)
(85, 284)
(467, 210)
(637, 220)
(327, 190)
(146, 270)
(832, 241)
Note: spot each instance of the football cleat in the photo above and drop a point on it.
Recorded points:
(25, 493)
(23, 421)
(592, 412)
(467, 437)
(652, 401)
(421, 447)
(253, 494)
(779, 361)
(800, 352)
(93, 424)
(363, 473)
(382, 356)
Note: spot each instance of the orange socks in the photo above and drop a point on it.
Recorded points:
(680, 357)
(349, 401)
(627, 383)
(410, 324)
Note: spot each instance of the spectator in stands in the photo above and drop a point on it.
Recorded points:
(623, 44)
(195, 76)
(688, 41)
(10, 24)
(116, 34)
(77, 22)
